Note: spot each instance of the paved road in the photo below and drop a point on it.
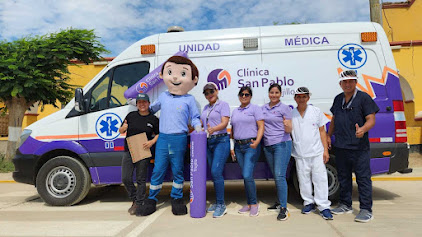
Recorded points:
(397, 209)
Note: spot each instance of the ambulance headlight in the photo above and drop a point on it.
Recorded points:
(24, 135)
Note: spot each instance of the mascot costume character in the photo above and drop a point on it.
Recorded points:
(177, 108)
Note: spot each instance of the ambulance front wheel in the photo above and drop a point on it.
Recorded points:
(63, 181)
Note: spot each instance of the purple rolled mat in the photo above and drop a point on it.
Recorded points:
(198, 174)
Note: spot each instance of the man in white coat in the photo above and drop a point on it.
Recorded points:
(311, 153)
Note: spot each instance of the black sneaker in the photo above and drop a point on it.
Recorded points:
(283, 215)
(275, 207)
(132, 209)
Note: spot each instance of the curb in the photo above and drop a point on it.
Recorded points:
(394, 178)
(354, 179)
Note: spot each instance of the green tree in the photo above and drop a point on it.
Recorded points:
(35, 69)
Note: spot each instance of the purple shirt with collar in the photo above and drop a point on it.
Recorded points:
(243, 121)
(274, 127)
(214, 114)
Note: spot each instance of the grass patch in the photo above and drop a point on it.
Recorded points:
(6, 166)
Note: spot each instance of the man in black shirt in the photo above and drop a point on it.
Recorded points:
(136, 122)
(353, 116)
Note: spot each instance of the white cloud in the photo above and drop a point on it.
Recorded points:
(120, 23)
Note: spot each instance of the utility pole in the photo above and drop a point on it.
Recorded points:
(375, 11)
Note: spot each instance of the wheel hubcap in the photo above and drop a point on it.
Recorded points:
(333, 184)
(60, 182)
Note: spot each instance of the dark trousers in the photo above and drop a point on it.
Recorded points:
(135, 194)
(358, 161)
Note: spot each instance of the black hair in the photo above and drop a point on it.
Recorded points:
(274, 85)
(245, 88)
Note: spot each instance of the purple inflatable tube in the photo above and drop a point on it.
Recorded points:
(198, 174)
(149, 81)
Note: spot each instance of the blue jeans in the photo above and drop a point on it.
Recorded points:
(247, 158)
(218, 149)
(278, 158)
(358, 161)
(170, 149)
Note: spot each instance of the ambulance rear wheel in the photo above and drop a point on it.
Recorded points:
(333, 183)
(63, 181)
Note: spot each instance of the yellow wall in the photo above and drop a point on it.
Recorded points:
(405, 24)
(409, 64)
(80, 76)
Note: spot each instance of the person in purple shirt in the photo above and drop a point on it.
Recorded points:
(247, 130)
(215, 118)
(278, 145)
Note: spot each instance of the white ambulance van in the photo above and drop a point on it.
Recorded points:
(66, 152)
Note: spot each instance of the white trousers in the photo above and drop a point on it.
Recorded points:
(312, 171)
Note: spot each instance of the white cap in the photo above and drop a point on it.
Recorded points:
(348, 75)
(302, 91)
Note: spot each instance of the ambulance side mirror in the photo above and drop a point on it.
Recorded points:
(79, 98)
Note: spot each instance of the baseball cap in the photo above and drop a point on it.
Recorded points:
(348, 75)
(209, 86)
(302, 90)
(142, 96)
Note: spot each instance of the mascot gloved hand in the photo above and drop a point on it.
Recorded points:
(177, 108)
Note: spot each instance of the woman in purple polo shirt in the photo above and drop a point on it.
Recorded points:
(247, 130)
(278, 145)
(215, 117)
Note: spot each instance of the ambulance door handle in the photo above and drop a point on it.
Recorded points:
(388, 108)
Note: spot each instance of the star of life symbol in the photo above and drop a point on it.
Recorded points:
(107, 126)
(352, 56)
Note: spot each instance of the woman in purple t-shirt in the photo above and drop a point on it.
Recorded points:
(278, 145)
(215, 117)
(247, 130)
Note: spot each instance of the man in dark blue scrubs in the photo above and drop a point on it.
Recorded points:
(353, 116)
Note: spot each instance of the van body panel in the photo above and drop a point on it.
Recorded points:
(310, 55)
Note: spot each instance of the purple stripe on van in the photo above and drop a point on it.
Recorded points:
(39, 148)
(94, 175)
(380, 165)
(384, 126)
(98, 145)
(109, 174)
(112, 174)
(30, 146)
(73, 146)
(393, 87)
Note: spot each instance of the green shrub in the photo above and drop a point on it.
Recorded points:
(6, 166)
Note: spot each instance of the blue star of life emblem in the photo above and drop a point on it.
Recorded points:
(352, 56)
(107, 126)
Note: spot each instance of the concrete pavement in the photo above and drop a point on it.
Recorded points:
(397, 211)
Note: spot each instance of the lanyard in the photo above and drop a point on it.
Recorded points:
(210, 109)
(350, 102)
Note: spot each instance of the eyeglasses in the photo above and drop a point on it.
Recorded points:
(244, 95)
(209, 92)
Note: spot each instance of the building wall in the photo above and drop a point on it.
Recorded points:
(80, 75)
(402, 24)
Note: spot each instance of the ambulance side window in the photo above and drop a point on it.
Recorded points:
(125, 76)
(98, 95)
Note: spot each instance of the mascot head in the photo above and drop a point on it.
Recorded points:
(179, 74)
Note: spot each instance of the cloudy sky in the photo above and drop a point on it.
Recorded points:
(120, 23)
